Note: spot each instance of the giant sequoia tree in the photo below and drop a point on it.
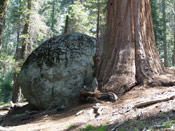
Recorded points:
(130, 54)
(3, 7)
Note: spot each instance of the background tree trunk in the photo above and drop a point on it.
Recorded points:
(66, 25)
(164, 34)
(173, 56)
(130, 54)
(16, 97)
(26, 49)
(53, 15)
(17, 94)
(26, 41)
(3, 7)
(98, 20)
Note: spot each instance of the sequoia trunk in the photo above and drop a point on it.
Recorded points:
(130, 54)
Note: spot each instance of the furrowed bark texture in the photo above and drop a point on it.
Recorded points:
(130, 54)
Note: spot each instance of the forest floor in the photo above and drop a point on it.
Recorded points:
(157, 112)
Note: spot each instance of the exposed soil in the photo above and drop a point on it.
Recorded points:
(120, 115)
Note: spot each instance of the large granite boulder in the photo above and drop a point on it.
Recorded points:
(53, 75)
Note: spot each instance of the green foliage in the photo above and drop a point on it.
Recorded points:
(101, 128)
(6, 88)
(122, 129)
(158, 24)
(108, 121)
(169, 123)
(78, 19)
(141, 124)
(158, 27)
(136, 129)
(92, 8)
(89, 127)
(51, 17)
(92, 128)
(70, 126)
(7, 64)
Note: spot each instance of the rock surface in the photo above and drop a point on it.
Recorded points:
(53, 75)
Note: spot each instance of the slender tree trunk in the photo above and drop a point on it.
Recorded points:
(17, 94)
(5, 46)
(24, 52)
(16, 97)
(164, 34)
(17, 45)
(3, 8)
(98, 20)
(3, 70)
(53, 15)
(173, 57)
(27, 41)
(154, 12)
(130, 54)
(66, 25)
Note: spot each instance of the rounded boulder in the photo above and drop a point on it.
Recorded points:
(55, 73)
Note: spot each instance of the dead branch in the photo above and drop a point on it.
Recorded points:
(151, 102)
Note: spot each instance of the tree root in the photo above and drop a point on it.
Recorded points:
(119, 84)
(162, 80)
(97, 96)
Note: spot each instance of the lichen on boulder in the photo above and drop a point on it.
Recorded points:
(54, 73)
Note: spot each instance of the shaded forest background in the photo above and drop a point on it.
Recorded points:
(31, 22)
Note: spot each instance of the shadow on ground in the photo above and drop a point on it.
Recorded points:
(25, 114)
(160, 121)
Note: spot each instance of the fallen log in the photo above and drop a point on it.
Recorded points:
(155, 101)
(5, 108)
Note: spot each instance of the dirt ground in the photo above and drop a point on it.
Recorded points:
(122, 115)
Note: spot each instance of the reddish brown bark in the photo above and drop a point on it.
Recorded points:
(130, 54)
